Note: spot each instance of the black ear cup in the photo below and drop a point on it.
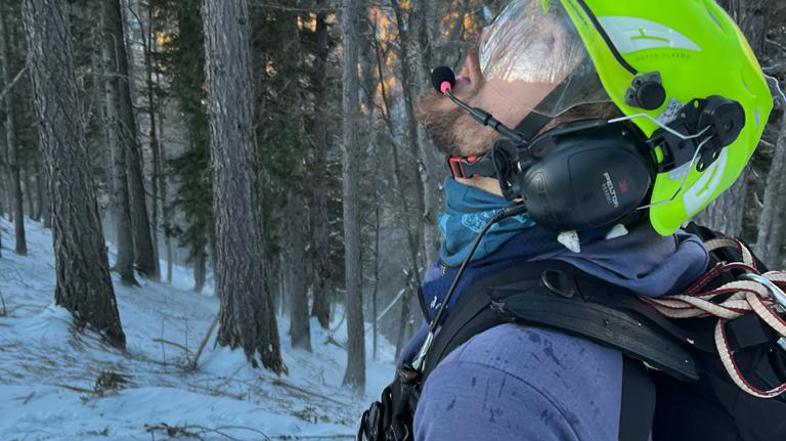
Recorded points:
(591, 176)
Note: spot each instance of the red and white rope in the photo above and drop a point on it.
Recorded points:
(728, 302)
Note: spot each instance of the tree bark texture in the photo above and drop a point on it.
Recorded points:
(83, 283)
(247, 317)
(725, 214)
(401, 330)
(299, 321)
(166, 209)
(47, 207)
(119, 200)
(3, 178)
(152, 107)
(42, 201)
(12, 145)
(163, 188)
(200, 270)
(355, 375)
(144, 253)
(375, 292)
(322, 281)
(427, 192)
(29, 195)
(772, 225)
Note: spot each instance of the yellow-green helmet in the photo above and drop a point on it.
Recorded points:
(652, 58)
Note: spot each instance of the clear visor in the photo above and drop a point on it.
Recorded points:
(530, 50)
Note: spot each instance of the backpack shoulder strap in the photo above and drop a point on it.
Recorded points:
(637, 407)
(473, 314)
(582, 305)
(477, 310)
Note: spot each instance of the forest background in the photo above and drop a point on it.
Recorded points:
(271, 146)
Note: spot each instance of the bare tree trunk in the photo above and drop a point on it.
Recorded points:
(299, 325)
(298, 224)
(725, 214)
(355, 375)
(247, 317)
(200, 270)
(29, 195)
(148, 39)
(120, 202)
(144, 253)
(426, 194)
(403, 318)
(83, 284)
(432, 161)
(278, 283)
(46, 202)
(772, 226)
(11, 141)
(375, 293)
(411, 232)
(417, 175)
(3, 180)
(320, 231)
(41, 199)
(166, 210)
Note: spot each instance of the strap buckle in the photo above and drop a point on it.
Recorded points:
(777, 294)
(456, 165)
(472, 166)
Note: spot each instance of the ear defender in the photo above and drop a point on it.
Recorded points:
(586, 174)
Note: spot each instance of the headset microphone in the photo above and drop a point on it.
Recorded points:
(443, 79)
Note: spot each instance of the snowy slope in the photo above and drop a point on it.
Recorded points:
(49, 373)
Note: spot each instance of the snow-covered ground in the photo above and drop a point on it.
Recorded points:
(59, 384)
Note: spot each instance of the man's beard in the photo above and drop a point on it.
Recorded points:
(453, 132)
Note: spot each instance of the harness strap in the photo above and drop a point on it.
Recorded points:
(630, 333)
(637, 410)
(485, 306)
(473, 314)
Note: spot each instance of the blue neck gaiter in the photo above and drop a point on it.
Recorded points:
(467, 209)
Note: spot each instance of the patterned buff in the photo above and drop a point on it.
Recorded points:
(467, 209)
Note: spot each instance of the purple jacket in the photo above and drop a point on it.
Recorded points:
(521, 383)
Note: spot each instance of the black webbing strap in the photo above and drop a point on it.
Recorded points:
(475, 312)
(748, 331)
(637, 410)
(532, 124)
(472, 313)
(596, 310)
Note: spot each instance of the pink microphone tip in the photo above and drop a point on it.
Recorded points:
(444, 87)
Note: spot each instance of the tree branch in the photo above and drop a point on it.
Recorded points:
(13, 82)
(775, 43)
